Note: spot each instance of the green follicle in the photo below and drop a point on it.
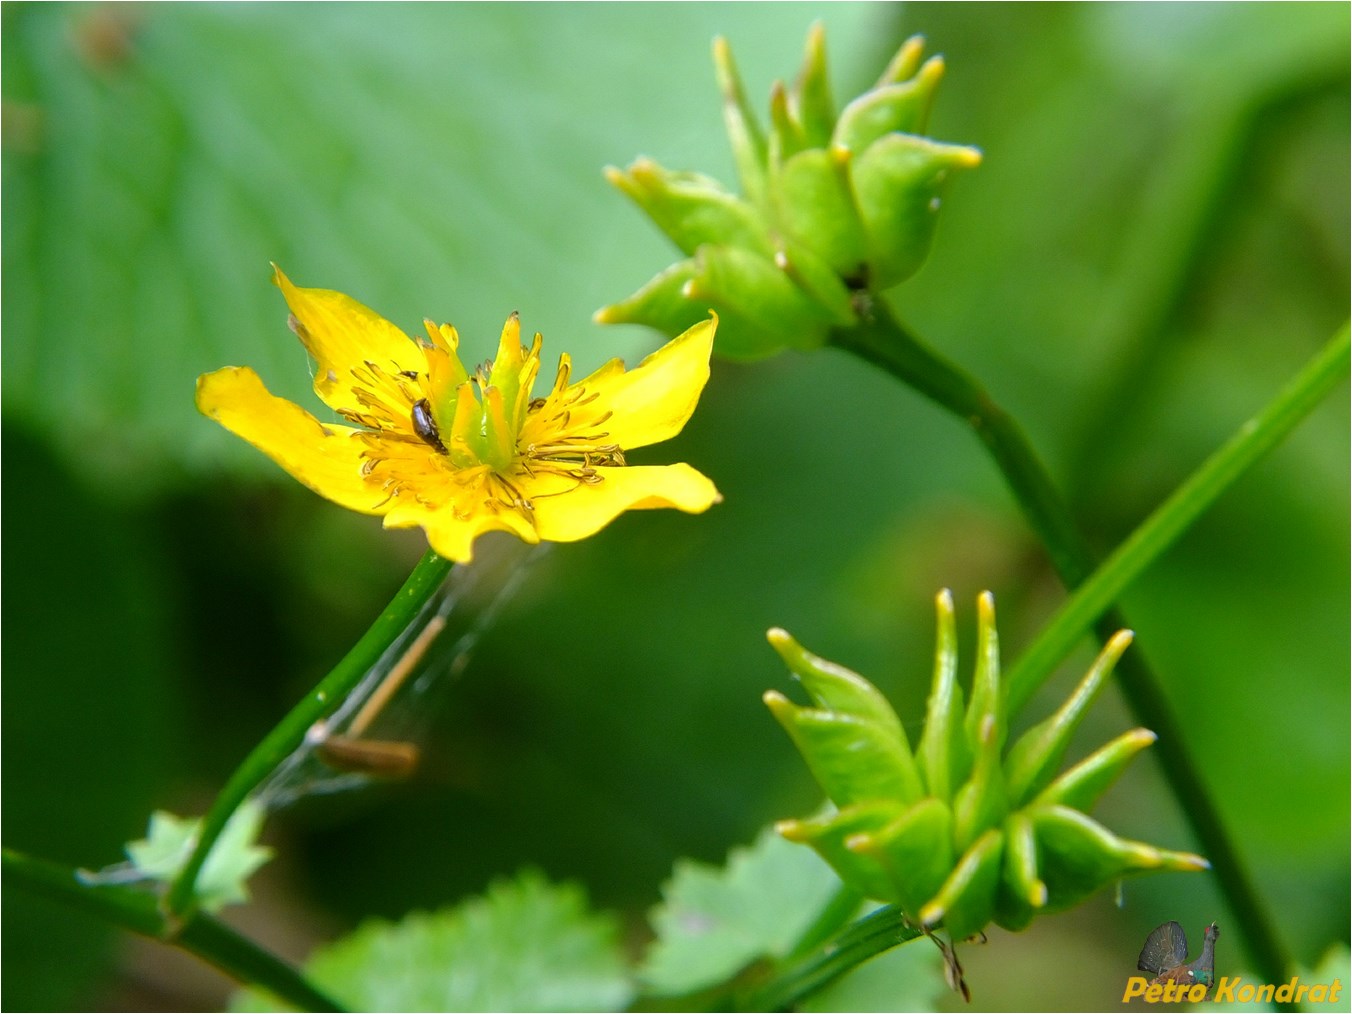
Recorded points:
(1080, 786)
(499, 434)
(901, 107)
(987, 694)
(961, 833)
(982, 802)
(915, 849)
(965, 902)
(906, 61)
(1033, 761)
(810, 101)
(941, 754)
(744, 133)
(466, 444)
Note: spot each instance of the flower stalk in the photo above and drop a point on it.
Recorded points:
(198, 934)
(320, 702)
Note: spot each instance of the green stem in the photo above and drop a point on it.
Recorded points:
(882, 340)
(875, 933)
(425, 579)
(1219, 136)
(1253, 440)
(200, 934)
(836, 914)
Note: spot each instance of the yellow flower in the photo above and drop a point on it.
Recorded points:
(463, 453)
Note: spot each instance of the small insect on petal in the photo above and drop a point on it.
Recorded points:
(425, 425)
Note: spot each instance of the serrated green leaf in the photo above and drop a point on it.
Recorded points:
(713, 922)
(526, 945)
(233, 859)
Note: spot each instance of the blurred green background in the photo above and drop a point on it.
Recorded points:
(1156, 241)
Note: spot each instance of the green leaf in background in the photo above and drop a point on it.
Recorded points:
(714, 921)
(430, 161)
(526, 945)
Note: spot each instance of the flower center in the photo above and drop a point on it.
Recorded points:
(492, 446)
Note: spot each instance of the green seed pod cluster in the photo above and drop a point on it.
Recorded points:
(831, 205)
(959, 831)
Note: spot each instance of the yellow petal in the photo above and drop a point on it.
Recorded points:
(452, 536)
(655, 399)
(325, 457)
(342, 334)
(584, 509)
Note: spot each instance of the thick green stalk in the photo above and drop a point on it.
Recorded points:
(1253, 440)
(425, 579)
(200, 934)
(877, 932)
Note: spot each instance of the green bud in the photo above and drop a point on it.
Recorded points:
(832, 207)
(1013, 841)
